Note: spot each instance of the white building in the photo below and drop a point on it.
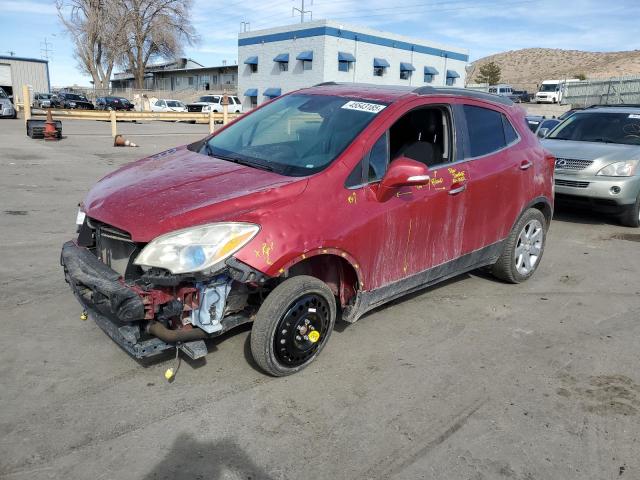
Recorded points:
(278, 60)
(18, 71)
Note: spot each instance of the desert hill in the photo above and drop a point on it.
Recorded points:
(528, 67)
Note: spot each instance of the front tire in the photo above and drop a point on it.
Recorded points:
(523, 249)
(631, 217)
(293, 325)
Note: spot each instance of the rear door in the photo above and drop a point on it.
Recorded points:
(497, 174)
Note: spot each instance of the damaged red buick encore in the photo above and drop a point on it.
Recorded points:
(325, 202)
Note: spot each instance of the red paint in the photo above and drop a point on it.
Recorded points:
(384, 235)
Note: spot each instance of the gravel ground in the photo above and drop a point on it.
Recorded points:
(473, 379)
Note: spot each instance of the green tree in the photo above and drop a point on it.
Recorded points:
(489, 73)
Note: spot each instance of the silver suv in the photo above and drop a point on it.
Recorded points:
(6, 107)
(597, 154)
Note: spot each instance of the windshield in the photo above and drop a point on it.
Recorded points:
(295, 135)
(172, 103)
(209, 99)
(603, 127)
(548, 87)
(2, 94)
(73, 96)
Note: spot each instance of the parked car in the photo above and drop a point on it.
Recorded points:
(598, 157)
(74, 100)
(521, 96)
(534, 121)
(6, 106)
(114, 103)
(541, 125)
(45, 100)
(213, 103)
(551, 91)
(336, 198)
(168, 105)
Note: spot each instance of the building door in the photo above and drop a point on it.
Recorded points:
(5, 76)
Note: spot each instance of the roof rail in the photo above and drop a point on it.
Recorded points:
(609, 105)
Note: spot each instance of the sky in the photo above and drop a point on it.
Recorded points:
(483, 27)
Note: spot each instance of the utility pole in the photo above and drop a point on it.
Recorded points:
(302, 11)
(245, 27)
(45, 50)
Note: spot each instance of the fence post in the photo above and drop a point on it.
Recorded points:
(26, 103)
(114, 124)
(225, 108)
(211, 122)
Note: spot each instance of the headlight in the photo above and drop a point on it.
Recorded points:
(72, 104)
(206, 108)
(620, 169)
(196, 249)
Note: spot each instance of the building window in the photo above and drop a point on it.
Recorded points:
(451, 81)
(344, 66)
(307, 65)
(254, 68)
(254, 101)
(428, 78)
(284, 66)
(405, 74)
(379, 71)
(190, 81)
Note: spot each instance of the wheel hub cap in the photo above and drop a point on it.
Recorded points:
(529, 247)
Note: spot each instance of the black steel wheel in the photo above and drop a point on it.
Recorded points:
(293, 325)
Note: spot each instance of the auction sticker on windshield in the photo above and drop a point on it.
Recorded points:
(364, 106)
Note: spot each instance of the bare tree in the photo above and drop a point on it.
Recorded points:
(154, 28)
(98, 34)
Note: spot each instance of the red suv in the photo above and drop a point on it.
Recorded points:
(325, 202)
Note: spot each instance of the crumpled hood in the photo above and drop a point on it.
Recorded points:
(179, 189)
(607, 152)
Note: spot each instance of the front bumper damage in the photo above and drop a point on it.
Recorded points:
(148, 316)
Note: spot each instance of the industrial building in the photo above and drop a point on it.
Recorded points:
(181, 74)
(278, 60)
(18, 71)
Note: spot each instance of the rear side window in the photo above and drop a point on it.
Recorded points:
(510, 134)
(486, 130)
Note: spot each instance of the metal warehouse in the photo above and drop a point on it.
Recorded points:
(278, 60)
(18, 71)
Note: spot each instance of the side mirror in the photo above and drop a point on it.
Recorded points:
(542, 132)
(402, 172)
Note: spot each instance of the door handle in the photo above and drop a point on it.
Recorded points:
(460, 189)
(526, 165)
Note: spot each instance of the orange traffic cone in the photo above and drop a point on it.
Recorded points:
(120, 141)
(50, 132)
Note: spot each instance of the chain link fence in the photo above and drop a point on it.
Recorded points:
(615, 90)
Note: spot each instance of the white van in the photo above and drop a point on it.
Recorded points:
(551, 90)
(503, 90)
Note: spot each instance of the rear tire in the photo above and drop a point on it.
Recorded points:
(631, 217)
(282, 341)
(523, 249)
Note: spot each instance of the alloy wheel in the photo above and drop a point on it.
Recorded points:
(529, 247)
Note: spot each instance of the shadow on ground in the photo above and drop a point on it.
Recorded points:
(191, 459)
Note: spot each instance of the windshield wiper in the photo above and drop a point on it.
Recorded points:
(239, 161)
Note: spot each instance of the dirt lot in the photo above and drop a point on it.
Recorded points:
(473, 379)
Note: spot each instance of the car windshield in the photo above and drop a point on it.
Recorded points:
(172, 103)
(605, 127)
(73, 96)
(209, 99)
(295, 135)
(2, 94)
(549, 87)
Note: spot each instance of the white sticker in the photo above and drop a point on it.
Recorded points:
(80, 217)
(364, 106)
(312, 310)
(634, 115)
